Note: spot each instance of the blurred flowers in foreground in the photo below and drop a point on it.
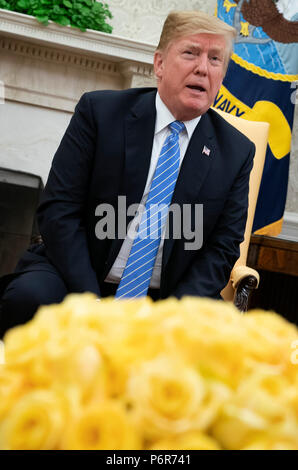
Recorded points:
(189, 374)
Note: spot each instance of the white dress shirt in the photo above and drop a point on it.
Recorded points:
(163, 118)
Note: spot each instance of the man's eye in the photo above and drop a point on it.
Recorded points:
(216, 58)
(188, 52)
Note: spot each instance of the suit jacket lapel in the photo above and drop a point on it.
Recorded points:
(139, 132)
(194, 169)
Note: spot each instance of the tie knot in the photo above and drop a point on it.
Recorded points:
(176, 127)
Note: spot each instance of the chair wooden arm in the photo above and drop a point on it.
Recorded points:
(244, 281)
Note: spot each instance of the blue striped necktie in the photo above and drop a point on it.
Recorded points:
(136, 276)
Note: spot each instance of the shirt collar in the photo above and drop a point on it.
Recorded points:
(164, 117)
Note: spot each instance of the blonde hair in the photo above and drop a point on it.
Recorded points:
(185, 23)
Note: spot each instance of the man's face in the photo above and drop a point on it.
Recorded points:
(190, 73)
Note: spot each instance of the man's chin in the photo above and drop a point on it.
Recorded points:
(192, 111)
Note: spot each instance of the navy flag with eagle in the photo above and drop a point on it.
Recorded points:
(260, 85)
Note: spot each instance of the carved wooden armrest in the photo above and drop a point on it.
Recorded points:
(244, 281)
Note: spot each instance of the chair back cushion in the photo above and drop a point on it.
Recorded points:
(257, 132)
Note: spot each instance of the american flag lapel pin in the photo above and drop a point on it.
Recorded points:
(206, 151)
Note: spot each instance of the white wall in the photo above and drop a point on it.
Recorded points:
(143, 19)
(29, 136)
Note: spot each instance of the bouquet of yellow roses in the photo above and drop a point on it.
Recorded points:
(189, 374)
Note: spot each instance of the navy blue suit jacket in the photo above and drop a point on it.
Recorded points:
(105, 153)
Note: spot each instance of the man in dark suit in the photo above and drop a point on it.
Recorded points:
(112, 147)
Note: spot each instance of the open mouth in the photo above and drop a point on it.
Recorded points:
(196, 87)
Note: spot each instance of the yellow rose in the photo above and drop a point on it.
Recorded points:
(165, 396)
(261, 404)
(69, 356)
(208, 334)
(109, 318)
(140, 342)
(217, 394)
(267, 443)
(116, 373)
(23, 344)
(265, 392)
(132, 374)
(2, 353)
(269, 338)
(104, 426)
(35, 421)
(235, 426)
(268, 393)
(12, 385)
(193, 440)
(290, 397)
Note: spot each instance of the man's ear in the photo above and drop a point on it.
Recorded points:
(158, 64)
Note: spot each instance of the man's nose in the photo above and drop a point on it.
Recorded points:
(201, 66)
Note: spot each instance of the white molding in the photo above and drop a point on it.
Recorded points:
(58, 56)
(137, 75)
(116, 48)
(40, 98)
(290, 227)
(19, 178)
(90, 60)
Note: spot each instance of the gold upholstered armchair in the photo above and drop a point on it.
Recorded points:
(244, 279)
